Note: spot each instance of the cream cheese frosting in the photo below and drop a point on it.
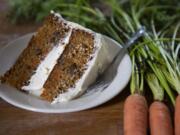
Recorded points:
(94, 66)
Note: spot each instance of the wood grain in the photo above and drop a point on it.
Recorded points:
(103, 120)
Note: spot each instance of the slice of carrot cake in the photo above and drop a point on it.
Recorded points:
(61, 60)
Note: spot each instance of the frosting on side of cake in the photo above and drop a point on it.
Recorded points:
(41, 74)
(95, 66)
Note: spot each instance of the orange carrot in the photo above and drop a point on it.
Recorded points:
(135, 115)
(160, 120)
(177, 116)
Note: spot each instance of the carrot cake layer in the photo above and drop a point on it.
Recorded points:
(49, 36)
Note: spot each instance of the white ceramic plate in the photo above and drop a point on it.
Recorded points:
(8, 56)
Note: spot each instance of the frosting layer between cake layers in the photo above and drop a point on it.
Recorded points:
(40, 76)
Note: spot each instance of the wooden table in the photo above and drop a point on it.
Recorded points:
(106, 119)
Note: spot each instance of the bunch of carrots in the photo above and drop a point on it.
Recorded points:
(156, 60)
(158, 78)
(155, 57)
(160, 122)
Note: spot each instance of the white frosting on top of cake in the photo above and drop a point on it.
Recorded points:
(41, 74)
(56, 14)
